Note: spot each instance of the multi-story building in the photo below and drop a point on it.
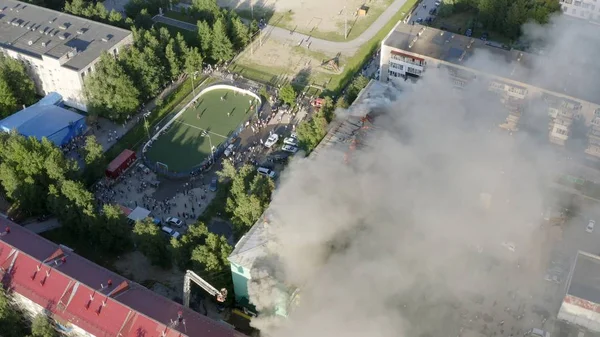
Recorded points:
(583, 9)
(84, 299)
(409, 50)
(58, 49)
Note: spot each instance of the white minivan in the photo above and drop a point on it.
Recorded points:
(266, 172)
(171, 232)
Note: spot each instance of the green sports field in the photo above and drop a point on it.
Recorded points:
(211, 120)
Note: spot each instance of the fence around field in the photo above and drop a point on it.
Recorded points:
(162, 169)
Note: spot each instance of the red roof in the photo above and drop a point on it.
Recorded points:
(120, 159)
(91, 297)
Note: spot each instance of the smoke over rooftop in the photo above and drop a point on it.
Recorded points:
(432, 223)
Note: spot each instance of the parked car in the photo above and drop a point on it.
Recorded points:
(175, 221)
(484, 36)
(437, 3)
(229, 150)
(419, 20)
(432, 11)
(289, 148)
(272, 140)
(590, 226)
(266, 172)
(213, 184)
(171, 232)
(294, 135)
(291, 141)
(469, 32)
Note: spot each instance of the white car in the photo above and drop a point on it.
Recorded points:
(229, 150)
(294, 135)
(266, 172)
(171, 232)
(175, 221)
(291, 141)
(289, 148)
(272, 140)
(590, 226)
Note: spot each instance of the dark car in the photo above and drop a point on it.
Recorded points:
(484, 36)
(213, 185)
(432, 11)
(469, 32)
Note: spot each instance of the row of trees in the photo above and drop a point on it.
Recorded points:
(14, 324)
(16, 88)
(38, 179)
(504, 16)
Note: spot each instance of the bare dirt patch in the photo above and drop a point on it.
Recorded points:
(276, 62)
(136, 267)
(312, 15)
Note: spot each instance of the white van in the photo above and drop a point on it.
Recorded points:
(266, 172)
(171, 232)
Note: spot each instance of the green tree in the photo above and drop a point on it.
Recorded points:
(8, 101)
(287, 93)
(93, 150)
(221, 46)
(173, 60)
(18, 84)
(11, 321)
(206, 10)
(145, 68)
(143, 19)
(516, 16)
(238, 31)
(42, 327)
(110, 91)
(355, 87)
(182, 248)
(193, 61)
(114, 17)
(75, 7)
(311, 132)
(205, 37)
(213, 253)
(249, 196)
(227, 172)
(152, 243)
(111, 231)
(100, 11)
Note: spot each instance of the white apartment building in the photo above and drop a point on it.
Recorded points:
(409, 50)
(583, 9)
(59, 49)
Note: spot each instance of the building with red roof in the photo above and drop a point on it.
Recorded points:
(85, 299)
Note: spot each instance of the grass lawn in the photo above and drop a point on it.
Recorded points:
(183, 146)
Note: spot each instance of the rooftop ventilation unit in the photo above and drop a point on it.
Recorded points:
(23, 24)
(51, 20)
(62, 36)
(81, 31)
(106, 38)
(64, 26)
(53, 33)
(30, 42)
(47, 31)
(44, 44)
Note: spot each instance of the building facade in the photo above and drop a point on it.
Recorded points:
(409, 50)
(58, 49)
(582, 9)
(581, 304)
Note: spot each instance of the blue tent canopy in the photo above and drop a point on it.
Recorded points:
(47, 119)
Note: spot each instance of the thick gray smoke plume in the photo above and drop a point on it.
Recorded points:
(435, 215)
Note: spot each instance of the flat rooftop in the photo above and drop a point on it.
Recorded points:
(585, 278)
(519, 66)
(38, 31)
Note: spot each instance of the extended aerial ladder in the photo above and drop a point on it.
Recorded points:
(190, 276)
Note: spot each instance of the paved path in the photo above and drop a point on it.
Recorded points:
(347, 47)
(44, 226)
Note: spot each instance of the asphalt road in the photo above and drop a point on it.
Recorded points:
(347, 47)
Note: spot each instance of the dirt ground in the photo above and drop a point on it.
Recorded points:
(136, 266)
(306, 15)
(287, 61)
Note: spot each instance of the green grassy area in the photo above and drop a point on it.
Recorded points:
(218, 113)
(175, 101)
(460, 22)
